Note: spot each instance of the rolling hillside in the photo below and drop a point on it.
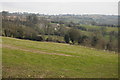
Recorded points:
(25, 58)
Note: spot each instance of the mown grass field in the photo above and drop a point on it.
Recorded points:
(24, 58)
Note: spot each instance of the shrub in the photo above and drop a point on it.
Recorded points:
(66, 38)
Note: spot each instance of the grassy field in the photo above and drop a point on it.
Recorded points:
(108, 29)
(24, 58)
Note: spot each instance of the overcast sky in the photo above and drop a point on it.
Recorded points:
(107, 8)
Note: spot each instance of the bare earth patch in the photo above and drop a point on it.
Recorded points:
(33, 50)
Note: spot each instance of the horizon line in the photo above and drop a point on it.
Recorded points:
(56, 14)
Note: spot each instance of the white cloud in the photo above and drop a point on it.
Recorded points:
(59, 0)
(62, 7)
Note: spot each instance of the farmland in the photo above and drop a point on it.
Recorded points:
(35, 59)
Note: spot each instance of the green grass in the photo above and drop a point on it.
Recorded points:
(108, 29)
(91, 27)
(89, 63)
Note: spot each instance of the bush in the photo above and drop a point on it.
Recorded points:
(73, 35)
(66, 38)
(49, 39)
(38, 38)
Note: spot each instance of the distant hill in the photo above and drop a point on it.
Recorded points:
(86, 19)
(89, 19)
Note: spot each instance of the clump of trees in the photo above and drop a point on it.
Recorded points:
(97, 40)
(17, 30)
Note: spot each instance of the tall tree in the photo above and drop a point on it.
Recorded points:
(66, 38)
(94, 41)
(73, 34)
